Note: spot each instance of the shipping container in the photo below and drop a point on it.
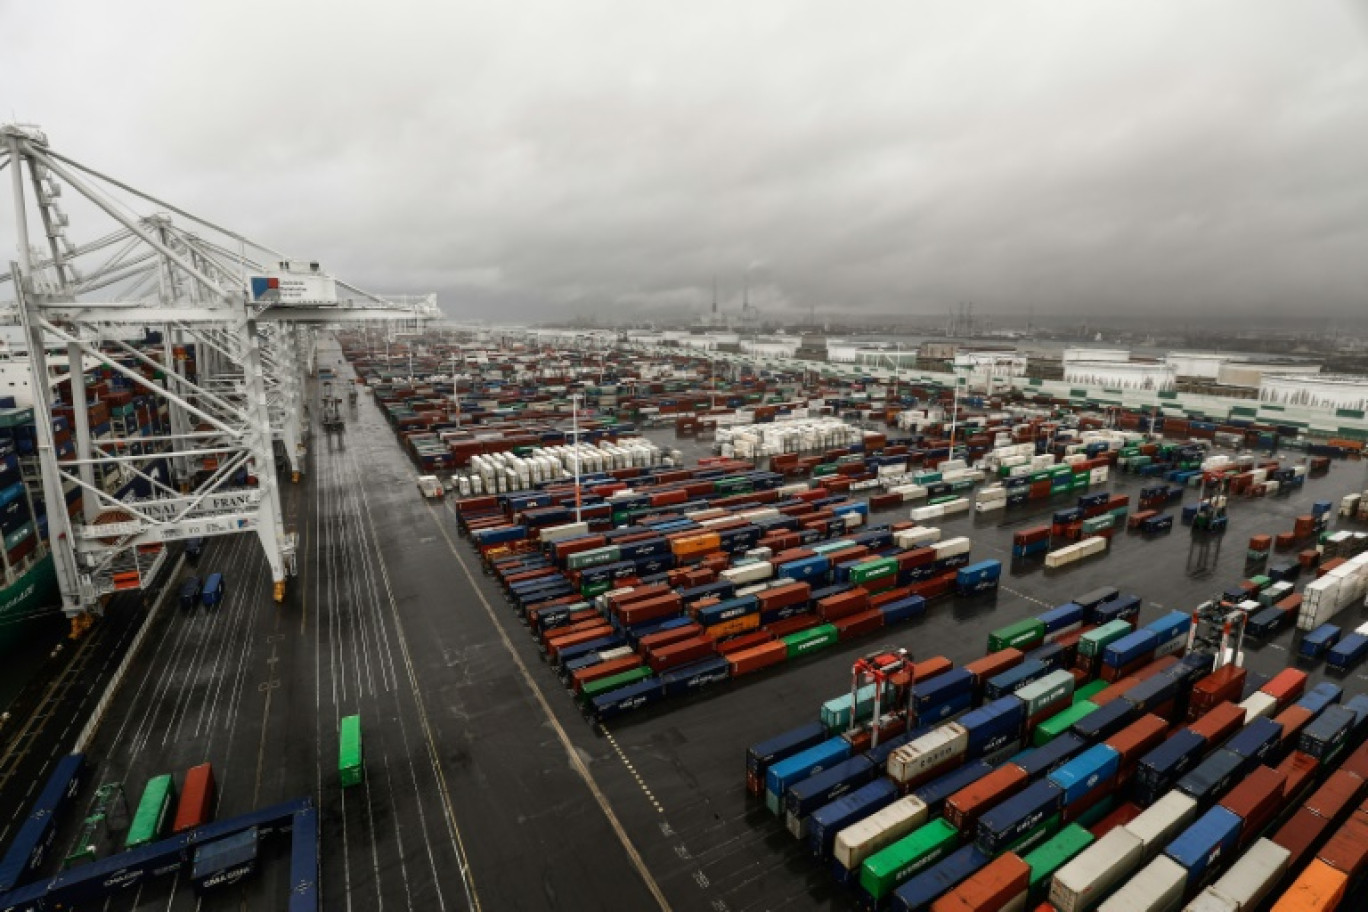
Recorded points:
(863, 838)
(196, 806)
(883, 871)
(1084, 882)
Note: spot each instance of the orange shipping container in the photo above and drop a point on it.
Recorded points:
(991, 889)
(1319, 889)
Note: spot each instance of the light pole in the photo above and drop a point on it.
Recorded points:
(574, 424)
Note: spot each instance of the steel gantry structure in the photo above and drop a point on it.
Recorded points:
(237, 323)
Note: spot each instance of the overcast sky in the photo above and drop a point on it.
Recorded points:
(568, 157)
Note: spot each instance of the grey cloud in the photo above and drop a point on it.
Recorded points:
(529, 159)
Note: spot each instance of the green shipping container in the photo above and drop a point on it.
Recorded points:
(810, 640)
(596, 589)
(594, 557)
(613, 682)
(944, 498)
(1089, 690)
(1094, 641)
(1093, 815)
(826, 468)
(1023, 635)
(351, 768)
(873, 570)
(1098, 523)
(1263, 582)
(1059, 723)
(1052, 855)
(835, 713)
(883, 871)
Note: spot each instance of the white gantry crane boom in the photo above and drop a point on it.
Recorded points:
(236, 320)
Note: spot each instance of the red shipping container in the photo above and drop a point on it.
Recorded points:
(637, 594)
(1136, 740)
(1337, 795)
(1293, 720)
(1219, 723)
(1347, 850)
(843, 604)
(889, 596)
(1357, 762)
(1286, 686)
(1115, 691)
(582, 676)
(682, 653)
(858, 624)
(756, 658)
(555, 645)
(1291, 604)
(994, 664)
(743, 641)
(917, 557)
(991, 889)
(666, 637)
(929, 668)
(1299, 834)
(784, 596)
(963, 809)
(793, 624)
(652, 609)
(1300, 770)
(1255, 800)
(1119, 816)
(196, 805)
(1225, 683)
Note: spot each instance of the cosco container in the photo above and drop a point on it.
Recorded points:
(938, 748)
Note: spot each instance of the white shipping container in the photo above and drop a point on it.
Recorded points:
(748, 573)
(989, 506)
(1157, 888)
(1080, 884)
(1252, 876)
(878, 831)
(931, 750)
(958, 505)
(921, 514)
(560, 533)
(916, 537)
(1258, 704)
(951, 547)
(909, 491)
(1163, 820)
(1211, 901)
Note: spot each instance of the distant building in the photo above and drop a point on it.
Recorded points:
(989, 370)
(1114, 368)
(1232, 369)
(1339, 391)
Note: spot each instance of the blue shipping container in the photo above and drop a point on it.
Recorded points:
(1064, 619)
(942, 687)
(1039, 761)
(1214, 834)
(1211, 778)
(1324, 735)
(1166, 764)
(1005, 823)
(926, 887)
(1132, 646)
(831, 818)
(993, 726)
(802, 765)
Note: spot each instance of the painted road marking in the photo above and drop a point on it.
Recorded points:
(575, 760)
(632, 769)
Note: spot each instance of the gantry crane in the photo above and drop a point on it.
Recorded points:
(238, 321)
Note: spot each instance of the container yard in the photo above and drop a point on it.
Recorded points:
(782, 646)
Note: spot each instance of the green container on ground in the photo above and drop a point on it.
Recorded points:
(944, 498)
(1089, 690)
(1053, 854)
(595, 589)
(810, 640)
(154, 807)
(351, 768)
(1098, 523)
(1024, 634)
(883, 871)
(1094, 641)
(613, 682)
(1059, 723)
